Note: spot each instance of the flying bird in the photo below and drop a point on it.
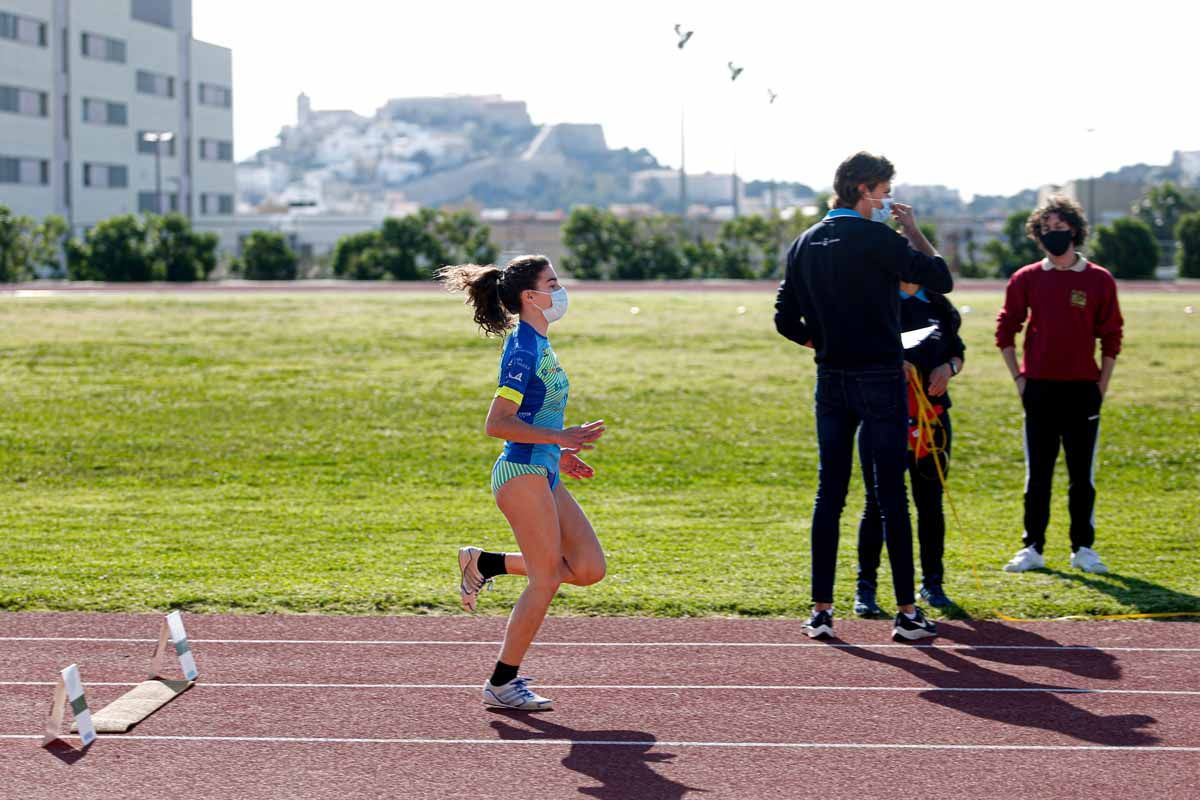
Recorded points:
(683, 35)
(734, 71)
(772, 95)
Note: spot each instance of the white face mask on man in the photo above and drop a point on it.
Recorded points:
(558, 304)
(881, 214)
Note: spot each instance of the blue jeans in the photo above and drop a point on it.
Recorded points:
(874, 404)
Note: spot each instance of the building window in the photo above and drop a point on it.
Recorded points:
(156, 12)
(22, 29)
(149, 148)
(216, 150)
(26, 171)
(103, 48)
(214, 95)
(220, 204)
(105, 176)
(23, 101)
(156, 84)
(148, 202)
(102, 112)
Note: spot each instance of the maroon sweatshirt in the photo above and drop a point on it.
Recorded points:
(1068, 310)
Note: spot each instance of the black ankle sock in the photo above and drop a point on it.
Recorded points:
(503, 673)
(491, 564)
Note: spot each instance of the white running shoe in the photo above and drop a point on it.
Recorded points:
(516, 695)
(1088, 560)
(1026, 558)
(472, 579)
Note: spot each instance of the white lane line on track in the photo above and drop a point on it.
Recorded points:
(660, 687)
(496, 643)
(128, 737)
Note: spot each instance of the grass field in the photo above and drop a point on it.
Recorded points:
(325, 452)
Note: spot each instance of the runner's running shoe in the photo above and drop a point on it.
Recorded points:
(516, 695)
(472, 579)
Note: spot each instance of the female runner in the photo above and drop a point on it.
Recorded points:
(557, 543)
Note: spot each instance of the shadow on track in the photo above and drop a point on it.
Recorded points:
(65, 752)
(1086, 662)
(1025, 709)
(623, 771)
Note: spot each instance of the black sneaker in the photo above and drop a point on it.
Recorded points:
(913, 629)
(864, 602)
(932, 593)
(820, 624)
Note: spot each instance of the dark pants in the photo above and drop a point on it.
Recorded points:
(874, 404)
(931, 522)
(1066, 413)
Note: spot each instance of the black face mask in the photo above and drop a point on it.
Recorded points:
(1056, 242)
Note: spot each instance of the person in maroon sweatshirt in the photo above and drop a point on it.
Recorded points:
(1069, 303)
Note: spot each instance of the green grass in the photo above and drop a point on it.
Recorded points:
(317, 452)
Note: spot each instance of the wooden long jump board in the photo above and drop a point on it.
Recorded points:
(138, 703)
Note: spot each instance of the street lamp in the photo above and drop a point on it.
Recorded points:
(157, 138)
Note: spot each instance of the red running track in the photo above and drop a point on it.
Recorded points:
(307, 706)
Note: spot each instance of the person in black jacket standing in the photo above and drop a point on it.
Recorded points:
(840, 295)
(936, 359)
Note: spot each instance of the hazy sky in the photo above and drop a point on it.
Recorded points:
(987, 97)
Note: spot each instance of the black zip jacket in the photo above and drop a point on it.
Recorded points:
(841, 291)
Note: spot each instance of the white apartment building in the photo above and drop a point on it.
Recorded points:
(81, 84)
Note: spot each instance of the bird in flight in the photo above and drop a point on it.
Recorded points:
(683, 35)
(771, 95)
(734, 71)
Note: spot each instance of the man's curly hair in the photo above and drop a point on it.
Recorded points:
(1068, 211)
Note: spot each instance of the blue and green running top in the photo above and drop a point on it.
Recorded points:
(531, 377)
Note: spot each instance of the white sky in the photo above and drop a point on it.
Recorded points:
(987, 97)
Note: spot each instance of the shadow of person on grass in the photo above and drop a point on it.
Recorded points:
(1020, 705)
(1145, 596)
(1014, 643)
(623, 770)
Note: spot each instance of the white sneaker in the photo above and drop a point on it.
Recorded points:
(472, 579)
(1088, 560)
(517, 695)
(1026, 558)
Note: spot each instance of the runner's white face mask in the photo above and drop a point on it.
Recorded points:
(558, 304)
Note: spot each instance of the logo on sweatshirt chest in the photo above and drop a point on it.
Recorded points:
(1078, 298)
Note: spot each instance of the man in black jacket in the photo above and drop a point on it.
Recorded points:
(936, 359)
(840, 295)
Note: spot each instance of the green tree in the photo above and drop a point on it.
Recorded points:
(749, 247)
(1163, 206)
(115, 249)
(16, 246)
(357, 256)
(1015, 250)
(1187, 233)
(589, 239)
(1127, 248)
(48, 243)
(267, 257)
(180, 253)
(410, 249)
(464, 239)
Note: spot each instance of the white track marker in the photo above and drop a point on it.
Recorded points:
(172, 628)
(69, 688)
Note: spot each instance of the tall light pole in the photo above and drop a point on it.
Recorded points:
(157, 138)
(734, 74)
(684, 37)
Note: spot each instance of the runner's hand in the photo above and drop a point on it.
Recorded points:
(575, 437)
(1020, 381)
(573, 466)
